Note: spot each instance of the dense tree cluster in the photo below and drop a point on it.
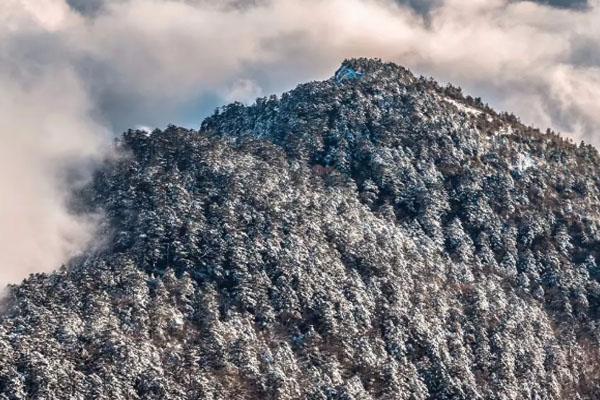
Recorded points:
(373, 238)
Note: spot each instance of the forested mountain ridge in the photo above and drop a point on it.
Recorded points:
(374, 235)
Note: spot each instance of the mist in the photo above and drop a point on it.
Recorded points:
(76, 73)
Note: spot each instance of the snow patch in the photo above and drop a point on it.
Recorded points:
(462, 107)
(523, 162)
(505, 130)
(148, 130)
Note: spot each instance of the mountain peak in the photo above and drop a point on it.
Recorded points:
(375, 67)
(370, 236)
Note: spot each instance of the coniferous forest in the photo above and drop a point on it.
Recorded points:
(372, 236)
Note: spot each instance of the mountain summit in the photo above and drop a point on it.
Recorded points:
(371, 236)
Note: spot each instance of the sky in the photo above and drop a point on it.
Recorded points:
(76, 73)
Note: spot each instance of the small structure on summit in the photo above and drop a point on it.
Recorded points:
(347, 73)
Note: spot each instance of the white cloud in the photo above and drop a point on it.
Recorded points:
(171, 52)
(45, 128)
(69, 79)
(244, 91)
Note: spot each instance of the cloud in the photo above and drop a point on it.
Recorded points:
(149, 61)
(86, 7)
(75, 72)
(565, 3)
(45, 129)
(243, 90)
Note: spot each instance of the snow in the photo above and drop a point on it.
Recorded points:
(523, 162)
(148, 130)
(462, 107)
(258, 278)
(505, 131)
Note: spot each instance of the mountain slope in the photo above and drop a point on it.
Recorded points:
(370, 236)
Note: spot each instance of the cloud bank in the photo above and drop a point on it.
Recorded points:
(76, 72)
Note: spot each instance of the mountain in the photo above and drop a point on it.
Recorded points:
(371, 236)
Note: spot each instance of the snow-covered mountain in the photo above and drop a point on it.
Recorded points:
(371, 236)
